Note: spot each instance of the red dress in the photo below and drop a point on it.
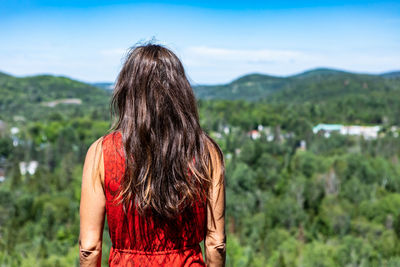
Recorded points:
(147, 240)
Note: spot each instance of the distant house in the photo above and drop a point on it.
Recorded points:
(14, 132)
(395, 131)
(303, 145)
(2, 175)
(74, 101)
(271, 133)
(327, 129)
(254, 134)
(368, 132)
(28, 167)
(226, 130)
(267, 131)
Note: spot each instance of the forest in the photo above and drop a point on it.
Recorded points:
(294, 197)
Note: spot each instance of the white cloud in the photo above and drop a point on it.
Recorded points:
(204, 53)
(209, 65)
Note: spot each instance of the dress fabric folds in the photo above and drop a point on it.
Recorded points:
(147, 240)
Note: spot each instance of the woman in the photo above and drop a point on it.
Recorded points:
(157, 175)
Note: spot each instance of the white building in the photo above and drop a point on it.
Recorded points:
(2, 175)
(368, 132)
(14, 132)
(28, 167)
(254, 134)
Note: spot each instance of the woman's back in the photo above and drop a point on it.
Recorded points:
(161, 179)
(147, 240)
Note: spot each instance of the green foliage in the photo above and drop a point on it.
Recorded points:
(29, 96)
(335, 203)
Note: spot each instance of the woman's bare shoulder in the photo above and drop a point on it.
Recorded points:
(215, 151)
(217, 161)
(95, 148)
(95, 155)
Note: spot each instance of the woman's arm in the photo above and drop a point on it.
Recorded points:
(92, 207)
(215, 241)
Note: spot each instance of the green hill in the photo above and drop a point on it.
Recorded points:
(318, 73)
(392, 74)
(35, 96)
(313, 85)
(249, 87)
(326, 85)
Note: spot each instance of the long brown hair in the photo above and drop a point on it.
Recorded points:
(168, 155)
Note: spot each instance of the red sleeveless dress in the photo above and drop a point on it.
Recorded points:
(147, 240)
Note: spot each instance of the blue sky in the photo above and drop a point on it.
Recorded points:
(216, 41)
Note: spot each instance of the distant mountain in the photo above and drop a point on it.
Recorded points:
(326, 85)
(317, 73)
(31, 96)
(4, 75)
(314, 85)
(393, 74)
(250, 87)
(107, 86)
(34, 96)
